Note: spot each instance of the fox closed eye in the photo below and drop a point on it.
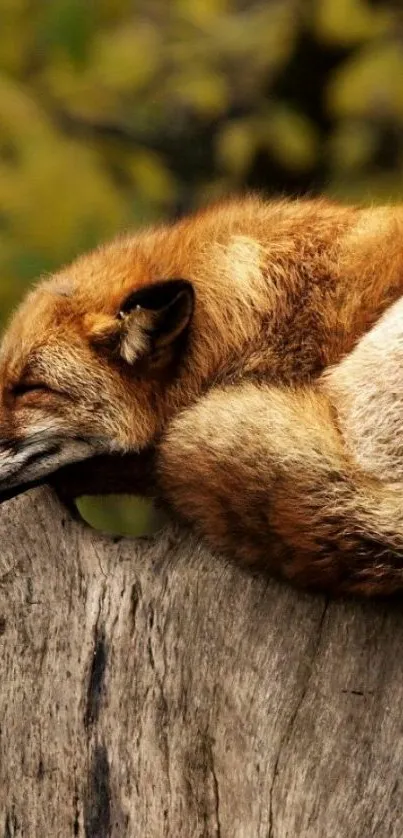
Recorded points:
(23, 388)
(28, 388)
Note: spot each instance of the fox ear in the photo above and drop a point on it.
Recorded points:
(154, 318)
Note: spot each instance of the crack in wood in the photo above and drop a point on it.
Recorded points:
(97, 799)
(216, 790)
(11, 826)
(97, 673)
(208, 693)
(289, 729)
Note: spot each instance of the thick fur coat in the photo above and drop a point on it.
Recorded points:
(253, 353)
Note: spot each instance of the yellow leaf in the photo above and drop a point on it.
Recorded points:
(56, 192)
(235, 146)
(291, 137)
(352, 145)
(369, 83)
(204, 91)
(125, 58)
(17, 34)
(77, 90)
(346, 22)
(200, 12)
(150, 176)
(20, 116)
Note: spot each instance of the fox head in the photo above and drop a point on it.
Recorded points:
(84, 361)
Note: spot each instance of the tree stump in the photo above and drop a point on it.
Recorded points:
(149, 689)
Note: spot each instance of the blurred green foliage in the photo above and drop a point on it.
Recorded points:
(115, 113)
(136, 516)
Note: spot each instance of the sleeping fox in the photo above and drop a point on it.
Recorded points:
(248, 362)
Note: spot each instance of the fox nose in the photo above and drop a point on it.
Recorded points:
(15, 458)
(29, 460)
(16, 455)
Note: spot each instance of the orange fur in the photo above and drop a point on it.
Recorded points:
(248, 444)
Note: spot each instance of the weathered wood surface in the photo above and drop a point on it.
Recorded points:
(150, 690)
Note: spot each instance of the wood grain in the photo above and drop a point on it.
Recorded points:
(149, 690)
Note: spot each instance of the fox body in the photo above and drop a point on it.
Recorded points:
(255, 350)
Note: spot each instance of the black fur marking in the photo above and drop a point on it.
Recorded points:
(41, 455)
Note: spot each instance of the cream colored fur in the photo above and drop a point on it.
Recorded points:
(367, 391)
